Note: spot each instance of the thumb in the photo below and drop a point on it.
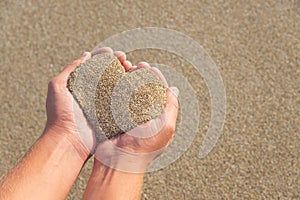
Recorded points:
(171, 110)
(70, 67)
(168, 118)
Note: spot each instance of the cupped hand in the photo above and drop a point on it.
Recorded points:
(142, 144)
(64, 116)
(134, 150)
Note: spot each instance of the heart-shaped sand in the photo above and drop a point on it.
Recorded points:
(115, 101)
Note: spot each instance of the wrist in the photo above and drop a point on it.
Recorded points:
(121, 159)
(109, 183)
(68, 141)
(49, 168)
(102, 171)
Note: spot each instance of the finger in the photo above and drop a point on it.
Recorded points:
(171, 110)
(143, 64)
(120, 55)
(70, 67)
(102, 50)
(158, 73)
(134, 67)
(127, 65)
(174, 91)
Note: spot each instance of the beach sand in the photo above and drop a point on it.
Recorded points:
(255, 45)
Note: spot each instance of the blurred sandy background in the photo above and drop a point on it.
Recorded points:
(255, 44)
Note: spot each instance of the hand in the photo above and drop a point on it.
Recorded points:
(145, 142)
(60, 109)
(120, 162)
(64, 116)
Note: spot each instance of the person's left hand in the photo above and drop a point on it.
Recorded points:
(64, 116)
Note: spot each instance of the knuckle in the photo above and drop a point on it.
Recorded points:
(55, 82)
(174, 102)
(176, 105)
(170, 127)
(74, 63)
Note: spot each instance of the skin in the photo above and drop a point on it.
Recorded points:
(52, 164)
(111, 183)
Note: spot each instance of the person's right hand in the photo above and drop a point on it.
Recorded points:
(134, 150)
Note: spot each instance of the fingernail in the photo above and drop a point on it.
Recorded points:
(127, 65)
(144, 64)
(174, 90)
(86, 55)
(147, 64)
(119, 53)
(102, 50)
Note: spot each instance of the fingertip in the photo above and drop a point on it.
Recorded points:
(70, 67)
(143, 64)
(102, 50)
(85, 56)
(134, 67)
(120, 55)
(172, 103)
(127, 65)
(174, 91)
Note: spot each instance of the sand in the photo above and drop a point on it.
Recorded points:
(115, 101)
(255, 45)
